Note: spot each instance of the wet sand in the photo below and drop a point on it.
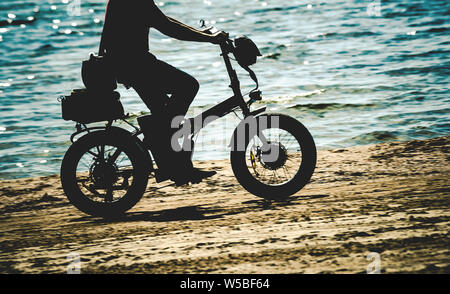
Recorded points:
(392, 199)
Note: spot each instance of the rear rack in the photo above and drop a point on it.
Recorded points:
(83, 128)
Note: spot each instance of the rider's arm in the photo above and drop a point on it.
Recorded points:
(176, 29)
(184, 32)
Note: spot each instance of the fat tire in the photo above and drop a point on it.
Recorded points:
(298, 181)
(134, 193)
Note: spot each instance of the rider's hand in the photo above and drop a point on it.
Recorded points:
(219, 38)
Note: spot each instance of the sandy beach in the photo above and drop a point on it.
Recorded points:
(391, 199)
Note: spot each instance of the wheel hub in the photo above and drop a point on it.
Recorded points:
(104, 174)
(275, 157)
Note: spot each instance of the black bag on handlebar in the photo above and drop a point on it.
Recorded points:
(246, 51)
(85, 106)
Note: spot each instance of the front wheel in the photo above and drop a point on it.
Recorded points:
(275, 158)
(104, 173)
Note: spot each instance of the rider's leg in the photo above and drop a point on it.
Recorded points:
(156, 127)
(163, 79)
(182, 86)
(183, 89)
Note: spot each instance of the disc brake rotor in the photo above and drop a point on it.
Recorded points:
(275, 157)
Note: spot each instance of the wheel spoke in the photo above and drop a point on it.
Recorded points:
(113, 158)
(102, 152)
(93, 154)
(286, 172)
(109, 194)
(82, 179)
(104, 173)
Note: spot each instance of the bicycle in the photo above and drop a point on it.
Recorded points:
(106, 171)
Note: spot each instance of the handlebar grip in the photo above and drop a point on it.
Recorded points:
(208, 30)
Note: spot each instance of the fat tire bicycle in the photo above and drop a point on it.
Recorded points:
(105, 171)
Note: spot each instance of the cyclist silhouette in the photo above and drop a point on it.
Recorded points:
(126, 43)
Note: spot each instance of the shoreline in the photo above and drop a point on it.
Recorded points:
(389, 198)
(226, 156)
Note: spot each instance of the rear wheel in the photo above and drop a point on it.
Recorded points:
(277, 158)
(104, 174)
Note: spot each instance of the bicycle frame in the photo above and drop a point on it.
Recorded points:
(227, 106)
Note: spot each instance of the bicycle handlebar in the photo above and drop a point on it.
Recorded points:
(210, 30)
(228, 47)
(214, 30)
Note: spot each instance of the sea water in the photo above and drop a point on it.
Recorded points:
(353, 72)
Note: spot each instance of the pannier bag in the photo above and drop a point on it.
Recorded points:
(97, 74)
(86, 106)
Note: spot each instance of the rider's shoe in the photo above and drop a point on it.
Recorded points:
(197, 175)
(191, 175)
(161, 176)
(183, 176)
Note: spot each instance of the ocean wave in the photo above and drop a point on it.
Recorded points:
(412, 9)
(438, 31)
(340, 36)
(270, 9)
(428, 23)
(377, 137)
(15, 5)
(331, 106)
(425, 34)
(272, 56)
(440, 53)
(292, 98)
(380, 136)
(17, 22)
(419, 115)
(440, 69)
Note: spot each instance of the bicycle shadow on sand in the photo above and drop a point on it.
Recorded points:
(199, 213)
(187, 213)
